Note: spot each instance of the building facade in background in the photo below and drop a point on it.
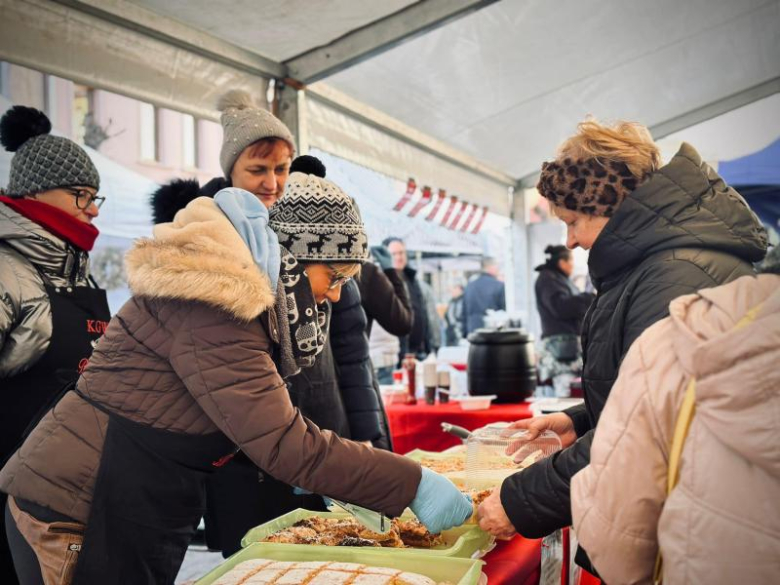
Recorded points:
(158, 143)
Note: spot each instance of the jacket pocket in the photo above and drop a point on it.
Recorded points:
(56, 544)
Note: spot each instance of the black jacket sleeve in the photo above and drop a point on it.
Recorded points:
(537, 500)
(385, 299)
(353, 366)
(557, 297)
(579, 416)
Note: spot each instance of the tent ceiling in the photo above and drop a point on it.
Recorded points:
(277, 30)
(503, 82)
(508, 83)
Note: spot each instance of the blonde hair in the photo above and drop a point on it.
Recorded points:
(350, 269)
(626, 142)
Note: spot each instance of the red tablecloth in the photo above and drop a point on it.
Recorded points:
(514, 562)
(419, 426)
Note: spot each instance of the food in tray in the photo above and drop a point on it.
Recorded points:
(531, 459)
(349, 532)
(457, 464)
(265, 572)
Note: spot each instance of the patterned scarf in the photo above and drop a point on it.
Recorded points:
(303, 323)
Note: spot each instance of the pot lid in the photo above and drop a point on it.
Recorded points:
(499, 336)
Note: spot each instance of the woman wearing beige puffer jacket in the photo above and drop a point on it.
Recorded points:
(228, 299)
(721, 523)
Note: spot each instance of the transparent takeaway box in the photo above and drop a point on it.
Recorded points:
(495, 452)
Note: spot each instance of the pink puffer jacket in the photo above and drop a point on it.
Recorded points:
(721, 524)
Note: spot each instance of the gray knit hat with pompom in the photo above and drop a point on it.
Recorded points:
(42, 162)
(243, 124)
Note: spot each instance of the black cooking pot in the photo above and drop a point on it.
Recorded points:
(502, 362)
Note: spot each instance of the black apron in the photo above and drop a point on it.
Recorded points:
(148, 499)
(79, 317)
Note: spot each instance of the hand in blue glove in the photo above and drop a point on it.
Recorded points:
(439, 504)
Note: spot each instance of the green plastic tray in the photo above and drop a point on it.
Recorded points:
(461, 542)
(440, 569)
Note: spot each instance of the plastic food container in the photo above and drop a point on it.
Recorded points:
(494, 453)
(461, 542)
(439, 568)
(392, 395)
(475, 402)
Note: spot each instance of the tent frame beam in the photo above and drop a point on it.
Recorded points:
(696, 116)
(133, 17)
(379, 36)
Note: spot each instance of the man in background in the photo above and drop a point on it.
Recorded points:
(483, 293)
(425, 336)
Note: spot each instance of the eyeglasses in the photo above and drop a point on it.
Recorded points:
(336, 279)
(82, 196)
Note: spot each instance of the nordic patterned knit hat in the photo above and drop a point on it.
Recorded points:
(41, 161)
(243, 123)
(317, 222)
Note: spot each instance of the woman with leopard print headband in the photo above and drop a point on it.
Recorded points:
(654, 233)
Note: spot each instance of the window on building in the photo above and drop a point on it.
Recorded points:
(50, 97)
(148, 132)
(5, 85)
(189, 141)
(83, 106)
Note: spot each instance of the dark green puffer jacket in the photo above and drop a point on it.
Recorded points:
(682, 230)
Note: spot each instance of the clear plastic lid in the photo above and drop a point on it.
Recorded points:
(495, 452)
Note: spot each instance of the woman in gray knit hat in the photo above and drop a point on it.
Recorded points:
(228, 300)
(257, 148)
(51, 312)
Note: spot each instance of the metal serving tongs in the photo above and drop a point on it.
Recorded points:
(459, 432)
(374, 521)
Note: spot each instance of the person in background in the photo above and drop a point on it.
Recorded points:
(422, 338)
(561, 305)
(51, 311)
(561, 308)
(654, 233)
(385, 300)
(453, 318)
(483, 293)
(721, 522)
(228, 300)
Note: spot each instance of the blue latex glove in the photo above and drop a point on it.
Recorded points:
(439, 504)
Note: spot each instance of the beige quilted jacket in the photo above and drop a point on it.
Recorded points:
(191, 352)
(721, 524)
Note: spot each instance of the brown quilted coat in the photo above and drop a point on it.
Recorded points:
(189, 354)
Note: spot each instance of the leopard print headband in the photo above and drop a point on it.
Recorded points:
(587, 186)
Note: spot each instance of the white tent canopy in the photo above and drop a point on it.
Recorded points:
(469, 96)
(500, 82)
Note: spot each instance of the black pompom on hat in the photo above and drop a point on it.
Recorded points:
(41, 161)
(309, 165)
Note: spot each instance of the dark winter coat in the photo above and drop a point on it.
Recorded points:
(355, 374)
(418, 340)
(681, 231)
(192, 352)
(561, 305)
(385, 299)
(483, 293)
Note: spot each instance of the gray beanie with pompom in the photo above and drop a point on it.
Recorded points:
(243, 124)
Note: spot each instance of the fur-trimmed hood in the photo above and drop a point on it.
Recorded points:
(200, 257)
